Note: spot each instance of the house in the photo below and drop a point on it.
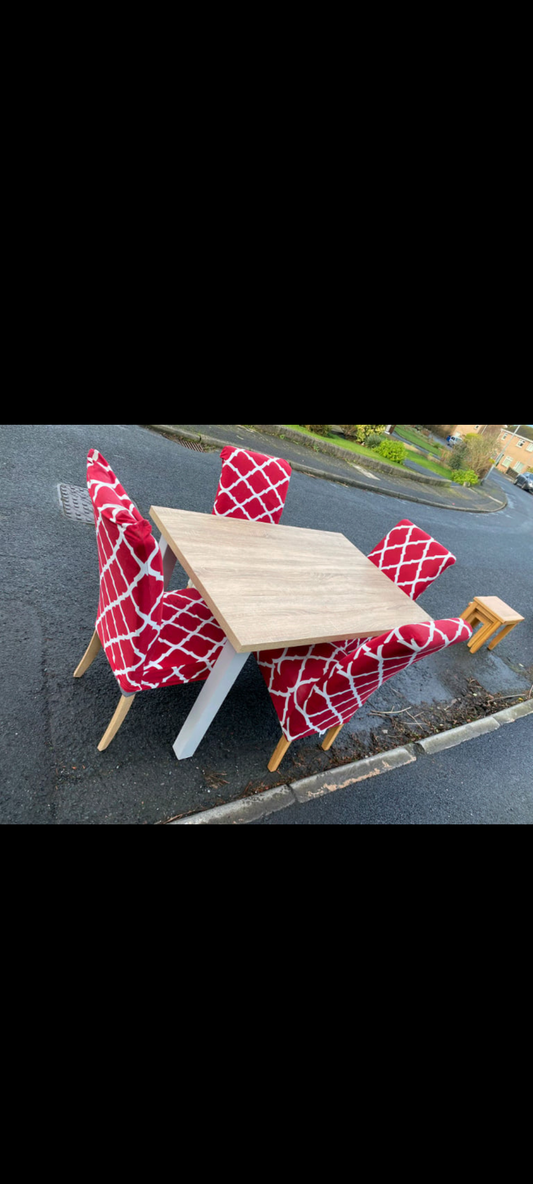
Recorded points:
(514, 449)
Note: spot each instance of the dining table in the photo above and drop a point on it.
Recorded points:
(270, 587)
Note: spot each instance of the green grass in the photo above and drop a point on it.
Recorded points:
(425, 461)
(434, 466)
(417, 439)
(350, 445)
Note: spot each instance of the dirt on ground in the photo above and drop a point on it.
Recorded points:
(392, 729)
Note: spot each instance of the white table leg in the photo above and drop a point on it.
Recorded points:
(212, 694)
(169, 561)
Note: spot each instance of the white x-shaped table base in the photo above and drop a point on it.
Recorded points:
(215, 688)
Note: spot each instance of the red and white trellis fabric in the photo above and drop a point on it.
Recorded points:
(314, 688)
(411, 558)
(151, 638)
(252, 485)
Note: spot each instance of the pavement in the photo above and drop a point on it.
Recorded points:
(328, 461)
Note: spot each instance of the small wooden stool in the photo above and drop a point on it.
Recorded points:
(491, 612)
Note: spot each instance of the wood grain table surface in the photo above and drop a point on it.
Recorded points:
(270, 586)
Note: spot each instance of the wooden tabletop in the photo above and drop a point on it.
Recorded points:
(271, 585)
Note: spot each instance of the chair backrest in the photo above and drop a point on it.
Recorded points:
(411, 558)
(252, 485)
(131, 574)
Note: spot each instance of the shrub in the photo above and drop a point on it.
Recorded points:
(392, 450)
(361, 431)
(457, 455)
(441, 429)
(374, 439)
(465, 477)
(322, 429)
(480, 451)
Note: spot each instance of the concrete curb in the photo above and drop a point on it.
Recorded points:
(457, 735)
(181, 433)
(244, 809)
(509, 714)
(404, 497)
(250, 809)
(340, 480)
(343, 775)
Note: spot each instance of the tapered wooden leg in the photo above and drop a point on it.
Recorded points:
(119, 716)
(469, 611)
(278, 754)
(90, 654)
(500, 636)
(481, 637)
(331, 736)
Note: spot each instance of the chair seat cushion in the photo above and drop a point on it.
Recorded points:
(189, 642)
(315, 687)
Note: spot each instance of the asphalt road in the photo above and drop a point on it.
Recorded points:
(51, 723)
(485, 781)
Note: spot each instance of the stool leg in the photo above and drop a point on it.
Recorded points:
(481, 637)
(496, 640)
(469, 611)
(473, 621)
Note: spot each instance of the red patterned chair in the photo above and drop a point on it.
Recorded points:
(318, 688)
(151, 638)
(411, 558)
(252, 485)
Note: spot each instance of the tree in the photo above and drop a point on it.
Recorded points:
(481, 450)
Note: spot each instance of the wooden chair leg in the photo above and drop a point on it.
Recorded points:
(331, 736)
(278, 754)
(90, 654)
(118, 718)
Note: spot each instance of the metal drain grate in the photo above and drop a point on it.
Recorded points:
(76, 503)
(192, 444)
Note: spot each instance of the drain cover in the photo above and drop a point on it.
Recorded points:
(76, 503)
(192, 444)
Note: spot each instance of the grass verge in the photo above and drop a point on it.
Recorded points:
(418, 440)
(432, 466)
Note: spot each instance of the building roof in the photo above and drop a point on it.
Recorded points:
(523, 430)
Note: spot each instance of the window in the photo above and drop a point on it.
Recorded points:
(508, 460)
(530, 447)
(519, 443)
(519, 466)
(504, 435)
